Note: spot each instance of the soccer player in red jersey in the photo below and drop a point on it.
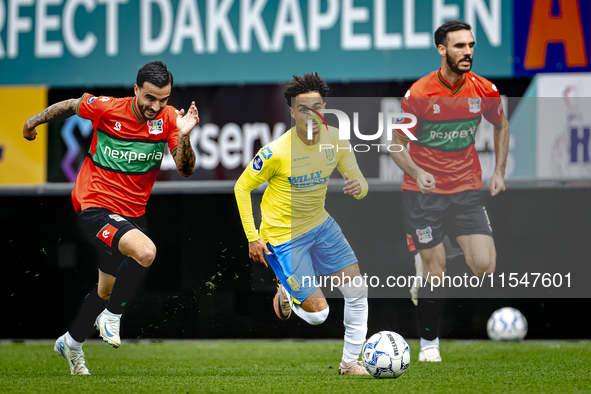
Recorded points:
(112, 189)
(443, 173)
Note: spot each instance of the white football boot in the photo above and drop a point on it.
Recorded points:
(430, 354)
(74, 357)
(352, 368)
(108, 326)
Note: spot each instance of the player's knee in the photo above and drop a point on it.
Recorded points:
(483, 265)
(146, 254)
(317, 318)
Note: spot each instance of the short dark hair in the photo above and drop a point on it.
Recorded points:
(304, 84)
(441, 33)
(156, 73)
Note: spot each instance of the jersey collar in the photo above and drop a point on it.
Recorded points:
(452, 89)
(135, 112)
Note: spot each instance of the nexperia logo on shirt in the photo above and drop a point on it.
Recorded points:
(452, 135)
(128, 156)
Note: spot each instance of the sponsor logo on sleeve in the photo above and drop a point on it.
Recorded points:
(425, 235)
(257, 163)
(91, 99)
(436, 109)
(494, 87)
(266, 152)
(103, 99)
(401, 119)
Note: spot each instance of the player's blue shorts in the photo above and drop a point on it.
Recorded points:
(321, 251)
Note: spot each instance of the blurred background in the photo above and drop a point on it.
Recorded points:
(233, 59)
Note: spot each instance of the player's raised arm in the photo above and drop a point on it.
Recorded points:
(497, 181)
(185, 156)
(425, 181)
(58, 111)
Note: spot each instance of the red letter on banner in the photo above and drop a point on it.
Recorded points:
(545, 29)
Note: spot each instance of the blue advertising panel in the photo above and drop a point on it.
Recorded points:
(552, 36)
(78, 43)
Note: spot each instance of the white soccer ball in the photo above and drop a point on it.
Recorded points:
(506, 324)
(386, 355)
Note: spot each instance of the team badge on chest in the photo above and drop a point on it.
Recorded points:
(474, 104)
(155, 126)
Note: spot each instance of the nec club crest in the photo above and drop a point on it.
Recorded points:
(155, 126)
(474, 104)
(425, 235)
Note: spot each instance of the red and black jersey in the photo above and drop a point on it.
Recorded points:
(124, 156)
(447, 119)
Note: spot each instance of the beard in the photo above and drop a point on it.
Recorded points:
(455, 68)
(144, 112)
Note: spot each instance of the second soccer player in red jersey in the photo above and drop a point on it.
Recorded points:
(443, 173)
(112, 190)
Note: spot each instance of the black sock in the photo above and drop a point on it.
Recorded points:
(429, 308)
(129, 276)
(83, 326)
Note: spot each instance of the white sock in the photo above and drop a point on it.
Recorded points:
(108, 312)
(72, 343)
(313, 318)
(355, 319)
(425, 344)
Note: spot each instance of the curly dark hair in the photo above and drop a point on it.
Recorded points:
(441, 32)
(306, 83)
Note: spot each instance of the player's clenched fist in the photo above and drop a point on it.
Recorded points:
(425, 182)
(30, 133)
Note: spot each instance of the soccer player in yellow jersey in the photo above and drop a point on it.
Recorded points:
(297, 237)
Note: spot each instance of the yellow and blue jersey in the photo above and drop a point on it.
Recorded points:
(297, 175)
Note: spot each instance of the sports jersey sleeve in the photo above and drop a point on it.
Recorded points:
(410, 104)
(93, 107)
(493, 105)
(259, 170)
(348, 163)
(173, 136)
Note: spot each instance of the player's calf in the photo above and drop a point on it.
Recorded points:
(355, 318)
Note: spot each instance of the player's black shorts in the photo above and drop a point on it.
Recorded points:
(428, 217)
(104, 229)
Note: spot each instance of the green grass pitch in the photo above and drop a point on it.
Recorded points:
(297, 367)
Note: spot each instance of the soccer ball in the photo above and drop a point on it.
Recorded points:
(386, 355)
(506, 324)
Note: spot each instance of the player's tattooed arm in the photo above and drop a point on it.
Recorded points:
(185, 156)
(58, 111)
